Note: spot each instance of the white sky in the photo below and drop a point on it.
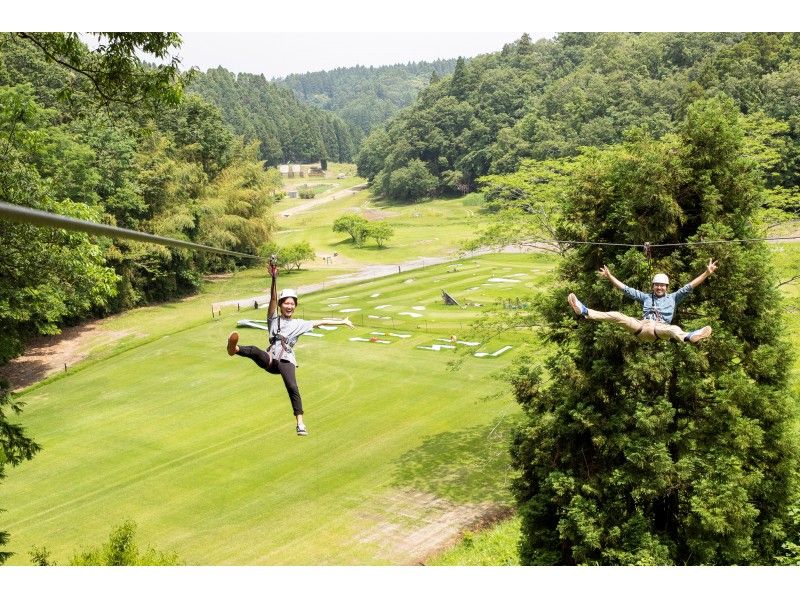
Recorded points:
(279, 54)
(277, 38)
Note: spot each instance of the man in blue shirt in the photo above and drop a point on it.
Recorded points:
(658, 308)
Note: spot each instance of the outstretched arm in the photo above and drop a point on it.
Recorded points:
(273, 292)
(606, 273)
(332, 322)
(712, 265)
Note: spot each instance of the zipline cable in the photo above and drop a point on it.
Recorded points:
(646, 246)
(36, 217)
(27, 215)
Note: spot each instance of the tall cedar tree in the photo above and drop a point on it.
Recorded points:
(665, 453)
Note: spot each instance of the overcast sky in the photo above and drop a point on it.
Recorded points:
(280, 54)
(312, 35)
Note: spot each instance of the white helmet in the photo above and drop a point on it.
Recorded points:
(286, 293)
(660, 279)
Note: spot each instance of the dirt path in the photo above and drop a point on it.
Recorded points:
(48, 355)
(313, 203)
(408, 527)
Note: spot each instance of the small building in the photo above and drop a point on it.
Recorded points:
(291, 170)
(292, 194)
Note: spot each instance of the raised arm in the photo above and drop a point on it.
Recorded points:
(606, 273)
(332, 322)
(273, 293)
(712, 265)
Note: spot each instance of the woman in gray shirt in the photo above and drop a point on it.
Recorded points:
(284, 330)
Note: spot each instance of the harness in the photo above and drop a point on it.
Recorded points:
(279, 336)
(654, 316)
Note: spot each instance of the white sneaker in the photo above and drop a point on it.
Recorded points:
(578, 307)
(301, 430)
(698, 335)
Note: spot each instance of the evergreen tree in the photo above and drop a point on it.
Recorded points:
(459, 82)
(661, 453)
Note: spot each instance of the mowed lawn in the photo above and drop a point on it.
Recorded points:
(198, 448)
(435, 227)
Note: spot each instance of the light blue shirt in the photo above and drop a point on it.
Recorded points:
(660, 309)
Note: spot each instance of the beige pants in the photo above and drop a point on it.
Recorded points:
(647, 330)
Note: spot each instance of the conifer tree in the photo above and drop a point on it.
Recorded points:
(664, 453)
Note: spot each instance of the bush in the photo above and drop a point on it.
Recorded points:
(121, 550)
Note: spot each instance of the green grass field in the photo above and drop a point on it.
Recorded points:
(199, 449)
(432, 228)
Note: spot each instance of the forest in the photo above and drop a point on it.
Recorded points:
(165, 163)
(366, 97)
(549, 99)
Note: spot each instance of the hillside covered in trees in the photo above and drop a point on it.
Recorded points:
(366, 96)
(117, 142)
(286, 129)
(548, 99)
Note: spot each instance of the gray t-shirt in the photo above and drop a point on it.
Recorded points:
(290, 329)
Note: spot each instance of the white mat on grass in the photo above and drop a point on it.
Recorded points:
(495, 354)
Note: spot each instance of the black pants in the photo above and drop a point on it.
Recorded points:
(277, 366)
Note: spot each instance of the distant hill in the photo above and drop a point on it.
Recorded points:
(366, 96)
(287, 129)
(550, 98)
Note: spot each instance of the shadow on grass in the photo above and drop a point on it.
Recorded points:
(468, 466)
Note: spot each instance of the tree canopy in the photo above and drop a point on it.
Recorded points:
(546, 100)
(670, 453)
(287, 130)
(365, 97)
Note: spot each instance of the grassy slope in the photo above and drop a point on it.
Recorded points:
(198, 448)
(432, 228)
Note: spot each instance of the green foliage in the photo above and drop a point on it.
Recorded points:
(46, 276)
(290, 257)
(121, 550)
(365, 97)
(791, 548)
(527, 205)
(666, 453)
(371, 157)
(114, 68)
(41, 557)
(496, 546)
(15, 446)
(380, 231)
(549, 99)
(286, 129)
(409, 183)
(307, 192)
(354, 225)
(176, 172)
